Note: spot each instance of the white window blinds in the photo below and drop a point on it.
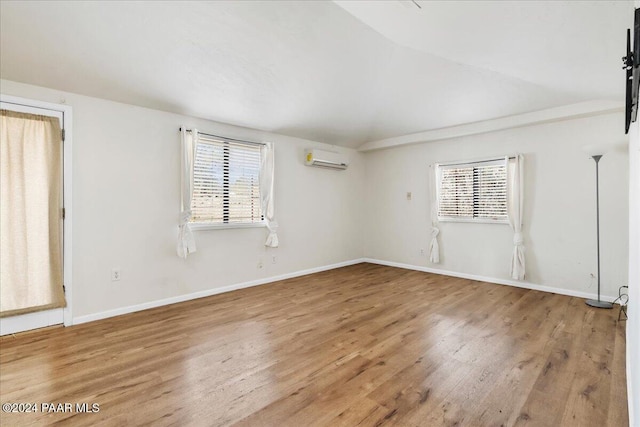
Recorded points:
(473, 191)
(226, 188)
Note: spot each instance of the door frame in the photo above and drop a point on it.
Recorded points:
(67, 125)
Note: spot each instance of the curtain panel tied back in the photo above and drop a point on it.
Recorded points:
(434, 246)
(186, 241)
(266, 193)
(515, 198)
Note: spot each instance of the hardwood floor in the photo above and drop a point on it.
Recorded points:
(363, 345)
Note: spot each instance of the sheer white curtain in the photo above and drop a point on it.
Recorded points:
(434, 247)
(30, 213)
(266, 193)
(186, 241)
(515, 199)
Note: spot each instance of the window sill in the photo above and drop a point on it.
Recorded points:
(197, 226)
(475, 220)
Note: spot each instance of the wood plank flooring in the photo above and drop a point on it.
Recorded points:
(364, 345)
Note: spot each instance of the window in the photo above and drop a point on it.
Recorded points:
(226, 188)
(473, 191)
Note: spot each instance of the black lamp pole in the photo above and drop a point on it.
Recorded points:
(592, 302)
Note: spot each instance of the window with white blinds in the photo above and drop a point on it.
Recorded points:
(473, 191)
(226, 187)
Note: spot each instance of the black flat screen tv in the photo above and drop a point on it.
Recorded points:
(632, 77)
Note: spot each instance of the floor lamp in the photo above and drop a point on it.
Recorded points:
(596, 153)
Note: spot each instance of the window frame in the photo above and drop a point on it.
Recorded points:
(471, 164)
(205, 225)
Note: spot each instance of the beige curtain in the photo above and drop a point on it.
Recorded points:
(30, 213)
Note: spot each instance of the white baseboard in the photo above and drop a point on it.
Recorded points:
(209, 292)
(516, 283)
(630, 395)
(29, 321)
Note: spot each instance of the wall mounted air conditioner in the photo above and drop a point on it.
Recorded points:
(326, 159)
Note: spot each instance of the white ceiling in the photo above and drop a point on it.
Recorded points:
(343, 73)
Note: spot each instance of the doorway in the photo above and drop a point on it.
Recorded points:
(35, 215)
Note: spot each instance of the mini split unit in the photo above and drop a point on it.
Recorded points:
(326, 159)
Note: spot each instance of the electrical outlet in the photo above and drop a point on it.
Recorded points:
(274, 259)
(115, 274)
(421, 251)
(408, 195)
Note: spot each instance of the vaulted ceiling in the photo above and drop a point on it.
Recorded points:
(344, 73)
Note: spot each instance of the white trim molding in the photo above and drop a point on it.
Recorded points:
(516, 283)
(628, 358)
(209, 292)
(565, 112)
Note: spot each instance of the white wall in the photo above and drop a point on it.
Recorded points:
(633, 323)
(559, 215)
(126, 201)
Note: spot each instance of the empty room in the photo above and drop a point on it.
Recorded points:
(319, 213)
